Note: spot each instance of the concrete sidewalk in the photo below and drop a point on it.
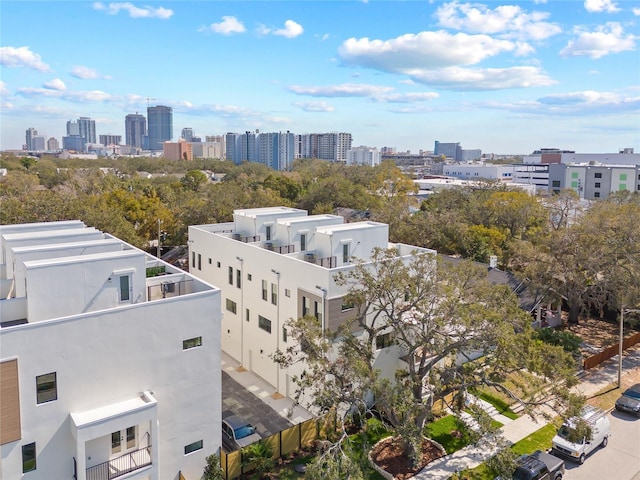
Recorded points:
(592, 381)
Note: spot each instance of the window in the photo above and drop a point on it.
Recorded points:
(249, 277)
(622, 186)
(347, 305)
(555, 183)
(131, 437)
(116, 442)
(316, 310)
(264, 290)
(284, 334)
(192, 447)
(191, 343)
(305, 306)
(46, 388)
(574, 174)
(596, 195)
(303, 242)
(218, 264)
(209, 261)
(199, 262)
(345, 253)
(264, 323)
(124, 288)
(247, 315)
(193, 259)
(274, 294)
(623, 177)
(574, 184)
(268, 232)
(383, 341)
(28, 457)
(230, 275)
(287, 292)
(597, 184)
(238, 278)
(231, 305)
(598, 175)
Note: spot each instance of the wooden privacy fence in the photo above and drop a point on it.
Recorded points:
(609, 352)
(282, 443)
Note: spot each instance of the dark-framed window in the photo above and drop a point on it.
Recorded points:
(597, 175)
(124, 282)
(264, 323)
(268, 232)
(265, 293)
(284, 334)
(303, 242)
(28, 457)
(46, 387)
(597, 185)
(383, 341)
(596, 194)
(199, 262)
(191, 343)
(274, 294)
(238, 278)
(247, 314)
(192, 447)
(230, 275)
(231, 306)
(345, 253)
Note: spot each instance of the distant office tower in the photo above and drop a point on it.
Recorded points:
(110, 139)
(73, 129)
(87, 129)
(38, 143)
(29, 134)
(135, 129)
(447, 149)
(334, 146)
(53, 144)
(160, 126)
(74, 142)
(241, 147)
(187, 134)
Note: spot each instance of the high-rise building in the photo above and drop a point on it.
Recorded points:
(332, 147)
(73, 129)
(275, 150)
(447, 149)
(38, 143)
(363, 156)
(187, 134)
(110, 139)
(53, 144)
(160, 126)
(29, 134)
(135, 129)
(87, 128)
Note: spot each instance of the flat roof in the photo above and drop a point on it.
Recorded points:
(311, 219)
(88, 417)
(256, 212)
(353, 226)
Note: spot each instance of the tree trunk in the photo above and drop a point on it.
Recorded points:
(574, 310)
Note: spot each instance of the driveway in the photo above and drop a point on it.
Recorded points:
(236, 399)
(619, 460)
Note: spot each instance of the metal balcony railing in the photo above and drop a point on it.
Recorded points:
(122, 465)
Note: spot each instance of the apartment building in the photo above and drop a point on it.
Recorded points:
(278, 263)
(109, 358)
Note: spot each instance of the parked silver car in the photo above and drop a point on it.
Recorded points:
(237, 433)
(629, 401)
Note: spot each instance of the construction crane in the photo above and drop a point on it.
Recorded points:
(150, 100)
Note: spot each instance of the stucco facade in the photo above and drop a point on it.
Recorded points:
(110, 370)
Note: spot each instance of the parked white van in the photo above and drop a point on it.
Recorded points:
(568, 443)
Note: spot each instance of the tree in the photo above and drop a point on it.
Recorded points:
(194, 180)
(259, 455)
(212, 470)
(452, 329)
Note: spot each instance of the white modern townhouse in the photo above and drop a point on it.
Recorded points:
(109, 359)
(278, 263)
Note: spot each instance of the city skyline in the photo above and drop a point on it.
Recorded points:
(503, 77)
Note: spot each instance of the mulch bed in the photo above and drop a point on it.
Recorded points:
(388, 455)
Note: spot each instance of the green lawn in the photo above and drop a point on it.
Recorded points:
(441, 431)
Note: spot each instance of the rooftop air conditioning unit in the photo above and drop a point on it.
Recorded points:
(310, 257)
(237, 236)
(168, 287)
(268, 246)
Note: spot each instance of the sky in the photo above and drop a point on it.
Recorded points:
(505, 77)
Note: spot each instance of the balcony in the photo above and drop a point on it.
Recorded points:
(116, 467)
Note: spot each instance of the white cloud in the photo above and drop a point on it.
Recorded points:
(228, 26)
(343, 90)
(322, 37)
(22, 57)
(607, 39)
(508, 20)
(114, 8)
(4, 91)
(411, 97)
(425, 50)
(636, 11)
(71, 96)
(595, 6)
(470, 79)
(291, 30)
(85, 73)
(319, 106)
(55, 84)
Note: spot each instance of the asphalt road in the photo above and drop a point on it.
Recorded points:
(619, 460)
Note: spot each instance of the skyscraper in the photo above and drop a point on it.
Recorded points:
(135, 129)
(160, 120)
(29, 134)
(87, 128)
(187, 134)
